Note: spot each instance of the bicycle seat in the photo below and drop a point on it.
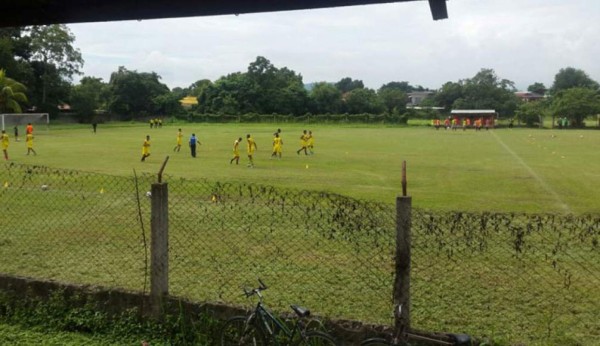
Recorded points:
(460, 339)
(300, 311)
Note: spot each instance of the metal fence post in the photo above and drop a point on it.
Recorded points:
(403, 244)
(159, 247)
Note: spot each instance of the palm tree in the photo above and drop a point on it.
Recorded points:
(11, 94)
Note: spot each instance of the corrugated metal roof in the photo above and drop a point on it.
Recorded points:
(41, 12)
(473, 111)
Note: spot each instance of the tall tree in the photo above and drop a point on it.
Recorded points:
(231, 94)
(532, 113)
(277, 90)
(88, 96)
(538, 88)
(264, 88)
(486, 91)
(288, 95)
(348, 84)
(133, 93)
(52, 45)
(12, 94)
(325, 98)
(363, 100)
(198, 87)
(448, 94)
(576, 104)
(14, 56)
(571, 77)
(402, 86)
(393, 98)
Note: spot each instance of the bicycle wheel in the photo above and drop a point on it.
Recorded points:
(382, 342)
(316, 338)
(376, 342)
(236, 332)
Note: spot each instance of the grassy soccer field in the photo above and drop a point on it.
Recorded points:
(500, 170)
(83, 234)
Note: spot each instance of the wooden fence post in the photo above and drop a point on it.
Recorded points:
(403, 244)
(159, 247)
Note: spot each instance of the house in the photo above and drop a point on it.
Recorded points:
(528, 96)
(416, 97)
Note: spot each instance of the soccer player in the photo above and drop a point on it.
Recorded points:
(146, 148)
(5, 144)
(16, 133)
(29, 140)
(251, 148)
(179, 139)
(277, 143)
(193, 142)
(236, 151)
(303, 143)
(310, 143)
(478, 124)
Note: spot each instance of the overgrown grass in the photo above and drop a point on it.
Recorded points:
(25, 320)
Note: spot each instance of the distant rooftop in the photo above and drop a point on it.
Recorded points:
(528, 95)
(473, 111)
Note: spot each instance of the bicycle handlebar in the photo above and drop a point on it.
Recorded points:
(250, 292)
(262, 284)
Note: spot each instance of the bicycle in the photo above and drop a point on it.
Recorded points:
(262, 327)
(401, 337)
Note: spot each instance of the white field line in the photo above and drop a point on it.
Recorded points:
(542, 182)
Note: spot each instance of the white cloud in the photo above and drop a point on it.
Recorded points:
(523, 40)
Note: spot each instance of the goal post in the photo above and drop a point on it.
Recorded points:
(21, 119)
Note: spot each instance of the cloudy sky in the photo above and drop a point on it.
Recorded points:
(525, 41)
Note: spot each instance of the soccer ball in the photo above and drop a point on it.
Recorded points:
(148, 194)
(44, 187)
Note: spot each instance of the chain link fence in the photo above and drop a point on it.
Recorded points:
(517, 278)
(72, 226)
(331, 253)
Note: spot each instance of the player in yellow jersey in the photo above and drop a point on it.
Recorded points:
(5, 144)
(310, 143)
(251, 148)
(179, 139)
(146, 148)
(29, 140)
(236, 151)
(303, 143)
(277, 144)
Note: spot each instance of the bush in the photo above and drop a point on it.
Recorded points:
(78, 313)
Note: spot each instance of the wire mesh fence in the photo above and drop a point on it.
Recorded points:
(521, 278)
(515, 277)
(328, 252)
(72, 226)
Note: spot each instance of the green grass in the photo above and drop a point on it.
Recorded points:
(26, 336)
(501, 170)
(333, 266)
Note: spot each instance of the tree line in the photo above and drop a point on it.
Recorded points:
(38, 63)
